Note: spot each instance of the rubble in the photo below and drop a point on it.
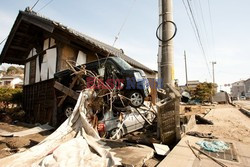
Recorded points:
(201, 120)
(75, 135)
(79, 136)
(201, 135)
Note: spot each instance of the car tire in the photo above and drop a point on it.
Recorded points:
(68, 110)
(113, 132)
(136, 99)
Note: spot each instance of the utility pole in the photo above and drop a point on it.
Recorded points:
(165, 107)
(185, 59)
(213, 63)
(166, 50)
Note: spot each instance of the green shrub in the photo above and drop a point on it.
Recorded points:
(10, 96)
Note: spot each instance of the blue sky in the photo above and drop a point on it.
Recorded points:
(227, 45)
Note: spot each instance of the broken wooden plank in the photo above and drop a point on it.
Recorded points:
(66, 90)
(70, 87)
(215, 160)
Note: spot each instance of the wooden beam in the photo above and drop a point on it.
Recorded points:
(70, 87)
(18, 48)
(15, 58)
(66, 90)
(39, 22)
(23, 35)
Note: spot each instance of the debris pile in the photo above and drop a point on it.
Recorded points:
(75, 139)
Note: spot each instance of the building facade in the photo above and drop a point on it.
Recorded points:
(238, 89)
(43, 46)
(247, 88)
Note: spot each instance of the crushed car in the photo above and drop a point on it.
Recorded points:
(122, 87)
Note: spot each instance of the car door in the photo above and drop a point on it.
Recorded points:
(130, 123)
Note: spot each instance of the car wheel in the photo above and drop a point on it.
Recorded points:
(68, 110)
(136, 99)
(113, 132)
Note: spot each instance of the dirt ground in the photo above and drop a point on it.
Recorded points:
(11, 145)
(229, 123)
(195, 109)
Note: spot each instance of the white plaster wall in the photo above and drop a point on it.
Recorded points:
(44, 68)
(38, 76)
(81, 58)
(27, 73)
(51, 56)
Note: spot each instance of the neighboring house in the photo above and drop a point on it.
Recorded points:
(238, 89)
(43, 46)
(11, 81)
(247, 88)
(193, 84)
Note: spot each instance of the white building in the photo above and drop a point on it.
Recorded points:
(238, 89)
(11, 81)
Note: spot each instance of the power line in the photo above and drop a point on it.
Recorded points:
(199, 37)
(119, 32)
(45, 5)
(211, 23)
(124, 22)
(189, 17)
(203, 21)
(3, 40)
(35, 4)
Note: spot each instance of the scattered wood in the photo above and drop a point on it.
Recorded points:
(70, 87)
(66, 90)
(215, 160)
(187, 142)
(201, 120)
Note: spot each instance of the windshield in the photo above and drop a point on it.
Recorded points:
(122, 63)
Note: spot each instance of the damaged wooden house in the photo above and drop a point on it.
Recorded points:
(43, 46)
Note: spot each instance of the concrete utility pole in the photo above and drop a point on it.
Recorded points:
(185, 59)
(213, 63)
(166, 50)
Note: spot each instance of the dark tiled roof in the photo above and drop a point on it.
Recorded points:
(105, 47)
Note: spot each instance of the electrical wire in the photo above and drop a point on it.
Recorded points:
(35, 4)
(120, 30)
(3, 40)
(124, 22)
(45, 5)
(211, 23)
(203, 21)
(198, 35)
(189, 17)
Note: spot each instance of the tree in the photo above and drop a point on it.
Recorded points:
(14, 70)
(203, 92)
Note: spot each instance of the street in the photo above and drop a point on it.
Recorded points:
(243, 103)
(230, 125)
